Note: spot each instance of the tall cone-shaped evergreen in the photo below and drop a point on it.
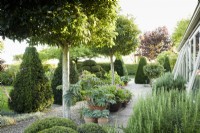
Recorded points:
(140, 77)
(31, 91)
(166, 65)
(120, 67)
(57, 80)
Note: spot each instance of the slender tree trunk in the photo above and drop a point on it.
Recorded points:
(65, 80)
(112, 69)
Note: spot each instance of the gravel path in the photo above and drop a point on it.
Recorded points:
(119, 119)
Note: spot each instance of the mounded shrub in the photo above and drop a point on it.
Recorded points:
(166, 65)
(167, 82)
(49, 123)
(91, 128)
(57, 80)
(89, 63)
(153, 70)
(58, 129)
(105, 66)
(31, 91)
(91, 66)
(168, 112)
(120, 67)
(140, 77)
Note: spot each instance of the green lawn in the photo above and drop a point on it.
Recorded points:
(4, 98)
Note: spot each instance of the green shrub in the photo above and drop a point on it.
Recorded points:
(172, 58)
(89, 63)
(108, 78)
(105, 66)
(89, 80)
(91, 66)
(57, 80)
(167, 82)
(168, 112)
(166, 65)
(90, 128)
(31, 91)
(49, 123)
(6, 78)
(140, 77)
(120, 67)
(58, 129)
(153, 70)
(131, 68)
(8, 75)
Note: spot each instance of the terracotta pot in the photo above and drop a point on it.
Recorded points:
(115, 107)
(93, 107)
(90, 119)
(102, 120)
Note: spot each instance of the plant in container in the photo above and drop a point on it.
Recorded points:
(125, 79)
(128, 96)
(89, 115)
(120, 97)
(103, 117)
(99, 98)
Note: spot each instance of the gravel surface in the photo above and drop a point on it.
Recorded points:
(117, 119)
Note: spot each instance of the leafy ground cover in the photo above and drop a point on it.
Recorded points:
(3, 98)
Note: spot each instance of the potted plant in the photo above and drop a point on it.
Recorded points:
(99, 98)
(89, 115)
(103, 117)
(125, 79)
(128, 96)
(119, 98)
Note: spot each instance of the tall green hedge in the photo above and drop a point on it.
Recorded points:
(120, 68)
(140, 77)
(166, 65)
(31, 91)
(57, 80)
(131, 68)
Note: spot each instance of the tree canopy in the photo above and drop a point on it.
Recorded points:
(179, 31)
(126, 40)
(154, 42)
(63, 23)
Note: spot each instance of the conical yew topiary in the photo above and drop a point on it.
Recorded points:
(166, 65)
(31, 91)
(120, 68)
(140, 77)
(57, 80)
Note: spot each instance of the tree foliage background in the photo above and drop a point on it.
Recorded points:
(154, 42)
(179, 31)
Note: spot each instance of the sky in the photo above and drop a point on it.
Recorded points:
(148, 14)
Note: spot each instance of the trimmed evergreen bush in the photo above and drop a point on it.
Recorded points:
(57, 80)
(140, 77)
(91, 128)
(168, 112)
(31, 91)
(166, 65)
(49, 123)
(58, 129)
(91, 66)
(153, 70)
(120, 67)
